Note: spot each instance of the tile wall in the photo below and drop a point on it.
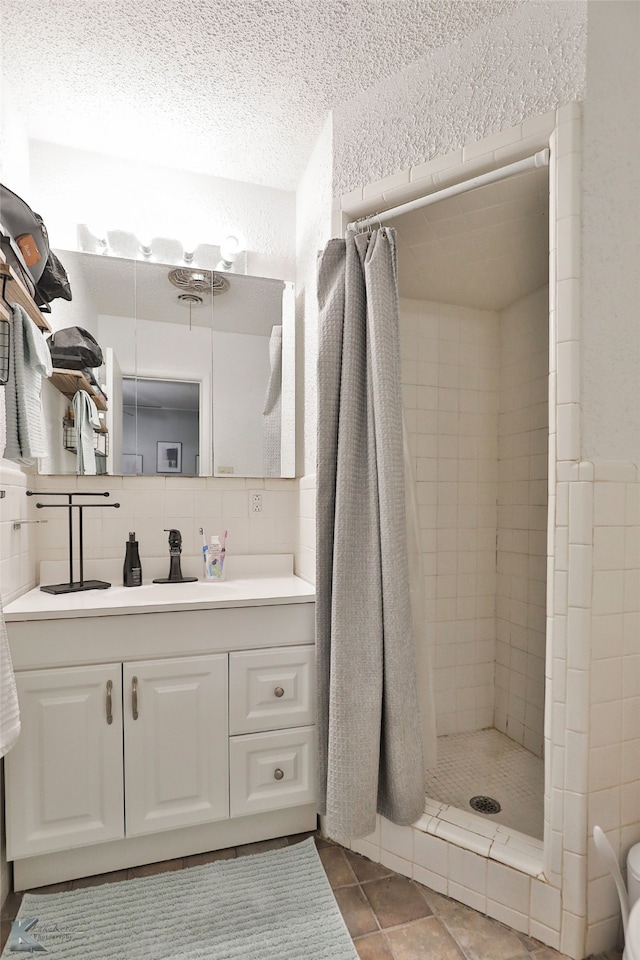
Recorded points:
(592, 695)
(149, 504)
(523, 428)
(450, 358)
(475, 388)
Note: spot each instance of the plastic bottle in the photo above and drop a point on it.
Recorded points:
(132, 571)
(214, 560)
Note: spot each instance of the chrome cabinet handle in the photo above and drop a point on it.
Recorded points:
(134, 697)
(109, 701)
(278, 692)
(278, 774)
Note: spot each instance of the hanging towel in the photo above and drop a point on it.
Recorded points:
(86, 418)
(29, 362)
(272, 412)
(9, 709)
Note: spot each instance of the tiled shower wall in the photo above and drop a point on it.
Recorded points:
(523, 431)
(475, 393)
(450, 388)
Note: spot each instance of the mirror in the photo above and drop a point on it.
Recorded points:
(198, 373)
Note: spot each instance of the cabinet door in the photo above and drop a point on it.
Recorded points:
(176, 746)
(64, 775)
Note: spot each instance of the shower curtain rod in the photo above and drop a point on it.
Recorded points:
(540, 159)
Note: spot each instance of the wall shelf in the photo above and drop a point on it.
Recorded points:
(14, 292)
(68, 382)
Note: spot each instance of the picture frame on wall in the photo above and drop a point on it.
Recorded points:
(168, 456)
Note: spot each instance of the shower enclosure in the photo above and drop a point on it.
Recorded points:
(474, 320)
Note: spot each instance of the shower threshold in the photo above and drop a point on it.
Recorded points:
(489, 764)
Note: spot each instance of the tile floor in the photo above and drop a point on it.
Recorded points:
(488, 763)
(388, 916)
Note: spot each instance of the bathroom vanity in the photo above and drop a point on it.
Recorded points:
(160, 721)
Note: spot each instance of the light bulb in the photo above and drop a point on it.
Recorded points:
(230, 248)
(98, 231)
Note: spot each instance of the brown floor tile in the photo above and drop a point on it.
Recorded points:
(323, 842)
(529, 943)
(52, 888)
(5, 927)
(366, 869)
(300, 837)
(114, 877)
(395, 900)
(11, 906)
(261, 846)
(152, 869)
(540, 952)
(373, 947)
(355, 910)
(440, 905)
(198, 859)
(336, 867)
(423, 938)
(479, 937)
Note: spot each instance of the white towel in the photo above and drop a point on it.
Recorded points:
(86, 418)
(29, 362)
(9, 709)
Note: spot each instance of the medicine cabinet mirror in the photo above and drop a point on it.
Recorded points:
(198, 374)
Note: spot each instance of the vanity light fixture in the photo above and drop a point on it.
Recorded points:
(229, 250)
(145, 240)
(100, 235)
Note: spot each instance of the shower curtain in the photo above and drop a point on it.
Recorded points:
(369, 736)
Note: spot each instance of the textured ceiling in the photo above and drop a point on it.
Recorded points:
(231, 88)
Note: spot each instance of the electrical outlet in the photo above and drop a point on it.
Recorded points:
(255, 499)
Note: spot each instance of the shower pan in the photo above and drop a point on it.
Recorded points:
(474, 318)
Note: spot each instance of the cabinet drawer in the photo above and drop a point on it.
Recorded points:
(271, 689)
(269, 771)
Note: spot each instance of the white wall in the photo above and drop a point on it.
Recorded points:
(313, 229)
(610, 238)
(74, 186)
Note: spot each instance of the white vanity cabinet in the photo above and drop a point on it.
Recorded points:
(160, 735)
(175, 743)
(272, 747)
(66, 784)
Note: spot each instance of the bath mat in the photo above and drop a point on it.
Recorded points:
(270, 906)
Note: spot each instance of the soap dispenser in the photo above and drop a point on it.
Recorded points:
(132, 571)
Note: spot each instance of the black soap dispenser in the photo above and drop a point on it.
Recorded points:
(132, 572)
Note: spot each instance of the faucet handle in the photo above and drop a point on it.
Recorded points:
(175, 537)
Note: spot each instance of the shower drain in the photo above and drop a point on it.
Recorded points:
(485, 804)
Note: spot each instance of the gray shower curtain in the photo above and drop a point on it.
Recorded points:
(369, 738)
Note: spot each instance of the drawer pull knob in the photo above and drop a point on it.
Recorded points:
(278, 692)
(278, 774)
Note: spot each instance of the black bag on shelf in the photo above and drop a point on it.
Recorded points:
(26, 230)
(73, 348)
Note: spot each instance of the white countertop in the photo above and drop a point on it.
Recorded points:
(250, 581)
